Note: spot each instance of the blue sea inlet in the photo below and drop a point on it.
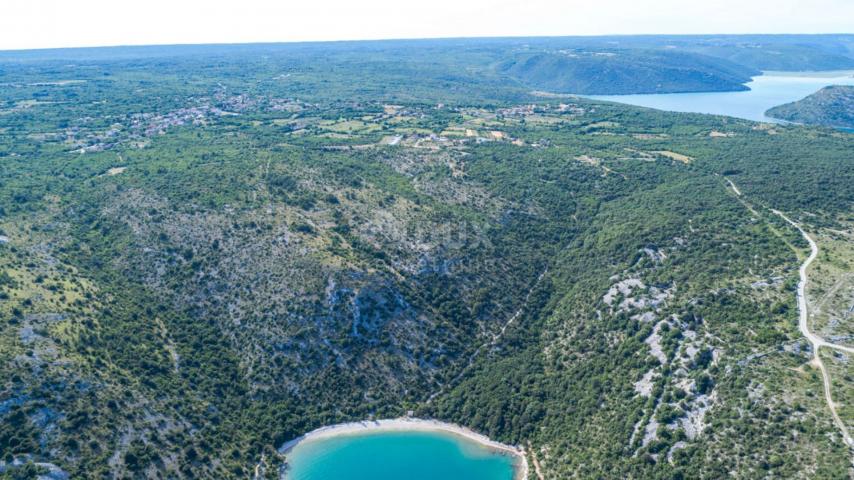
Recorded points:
(768, 90)
(397, 455)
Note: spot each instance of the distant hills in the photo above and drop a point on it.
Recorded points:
(760, 52)
(831, 106)
(618, 72)
(512, 66)
(670, 64)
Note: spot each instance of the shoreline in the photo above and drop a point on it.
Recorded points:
(520, 466)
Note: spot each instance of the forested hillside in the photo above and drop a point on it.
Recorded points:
(831, 106)
(620, 71)
(208, 251)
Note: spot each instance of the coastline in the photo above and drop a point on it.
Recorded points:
(520, 466)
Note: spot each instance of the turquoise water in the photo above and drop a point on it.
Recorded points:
(766, 91)
(397, 456)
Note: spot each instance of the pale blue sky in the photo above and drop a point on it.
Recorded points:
(67, 23)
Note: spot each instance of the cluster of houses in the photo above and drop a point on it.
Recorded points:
(140, 126)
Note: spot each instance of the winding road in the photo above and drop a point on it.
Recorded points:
(803, 323)
(802, 285)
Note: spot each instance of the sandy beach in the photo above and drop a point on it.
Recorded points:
(410, 425)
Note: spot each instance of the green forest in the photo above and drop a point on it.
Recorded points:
(206, 252)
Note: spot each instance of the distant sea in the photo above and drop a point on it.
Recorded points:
(766, 91)
(397, 456)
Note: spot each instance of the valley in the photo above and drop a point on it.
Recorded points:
(209, 251)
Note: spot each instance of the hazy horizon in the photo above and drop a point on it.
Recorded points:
(100, 23)
(405, 39)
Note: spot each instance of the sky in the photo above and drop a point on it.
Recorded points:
(74, 23)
